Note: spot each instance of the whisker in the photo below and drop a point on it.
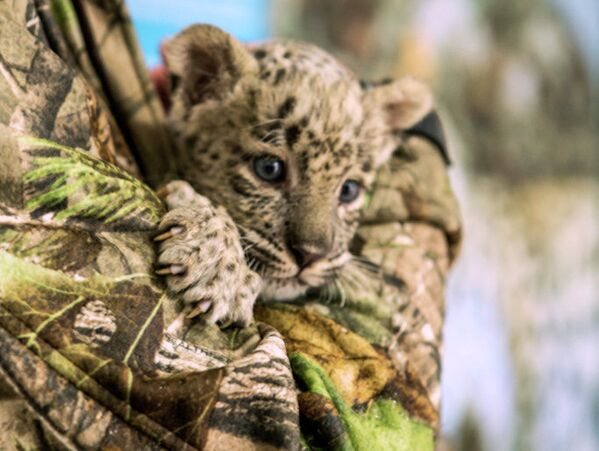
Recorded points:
(341, 291)
(330, 293)
(269, 121)
(247, 247)
(271, 134)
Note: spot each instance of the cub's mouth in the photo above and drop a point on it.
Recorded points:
(285, 269)
(286, 272)
(289, 282)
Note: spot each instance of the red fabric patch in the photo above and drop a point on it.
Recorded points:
(159, 76)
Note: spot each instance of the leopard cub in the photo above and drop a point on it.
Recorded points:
(277, 144)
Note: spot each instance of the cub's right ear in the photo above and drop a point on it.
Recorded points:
(205, 63)
(404, 102)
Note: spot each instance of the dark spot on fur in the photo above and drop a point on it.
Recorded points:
(267, 225)
(292, 135)
(279, 76)
(305, 161)
(214, 156)
(287, 54)
(190, 141)
(259, 54)
(265, 75)
(230, 267)
(286, 107)
(366, 167)
(304, 122)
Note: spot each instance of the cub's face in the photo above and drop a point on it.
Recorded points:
(285, 139)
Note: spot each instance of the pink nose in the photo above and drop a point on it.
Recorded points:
(305, 256)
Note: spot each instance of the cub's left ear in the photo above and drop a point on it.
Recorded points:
(206, 63)
(404, 102)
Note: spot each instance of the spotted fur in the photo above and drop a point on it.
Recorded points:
(293, 101)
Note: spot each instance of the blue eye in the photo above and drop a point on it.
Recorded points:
(269, 169)
(349, 191)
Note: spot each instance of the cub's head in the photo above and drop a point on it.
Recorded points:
(288, 141)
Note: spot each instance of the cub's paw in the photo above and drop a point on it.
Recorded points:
(201, 257)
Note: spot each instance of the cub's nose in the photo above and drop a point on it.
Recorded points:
(310, 234)
(305, 255)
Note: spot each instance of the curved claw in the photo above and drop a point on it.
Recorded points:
(173, 231)
(162, 192)
(225, 324)
(171, 270)
(200, 308)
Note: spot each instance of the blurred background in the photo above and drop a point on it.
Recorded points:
(518, 84)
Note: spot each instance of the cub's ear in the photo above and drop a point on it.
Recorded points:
(404, 102)
(204, 63)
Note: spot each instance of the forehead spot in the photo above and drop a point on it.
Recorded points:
(286, 107)
(279, 76)
(292, 134)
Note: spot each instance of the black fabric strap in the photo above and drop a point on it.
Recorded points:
(431, 128)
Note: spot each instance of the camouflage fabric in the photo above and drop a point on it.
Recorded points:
(86, 358)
